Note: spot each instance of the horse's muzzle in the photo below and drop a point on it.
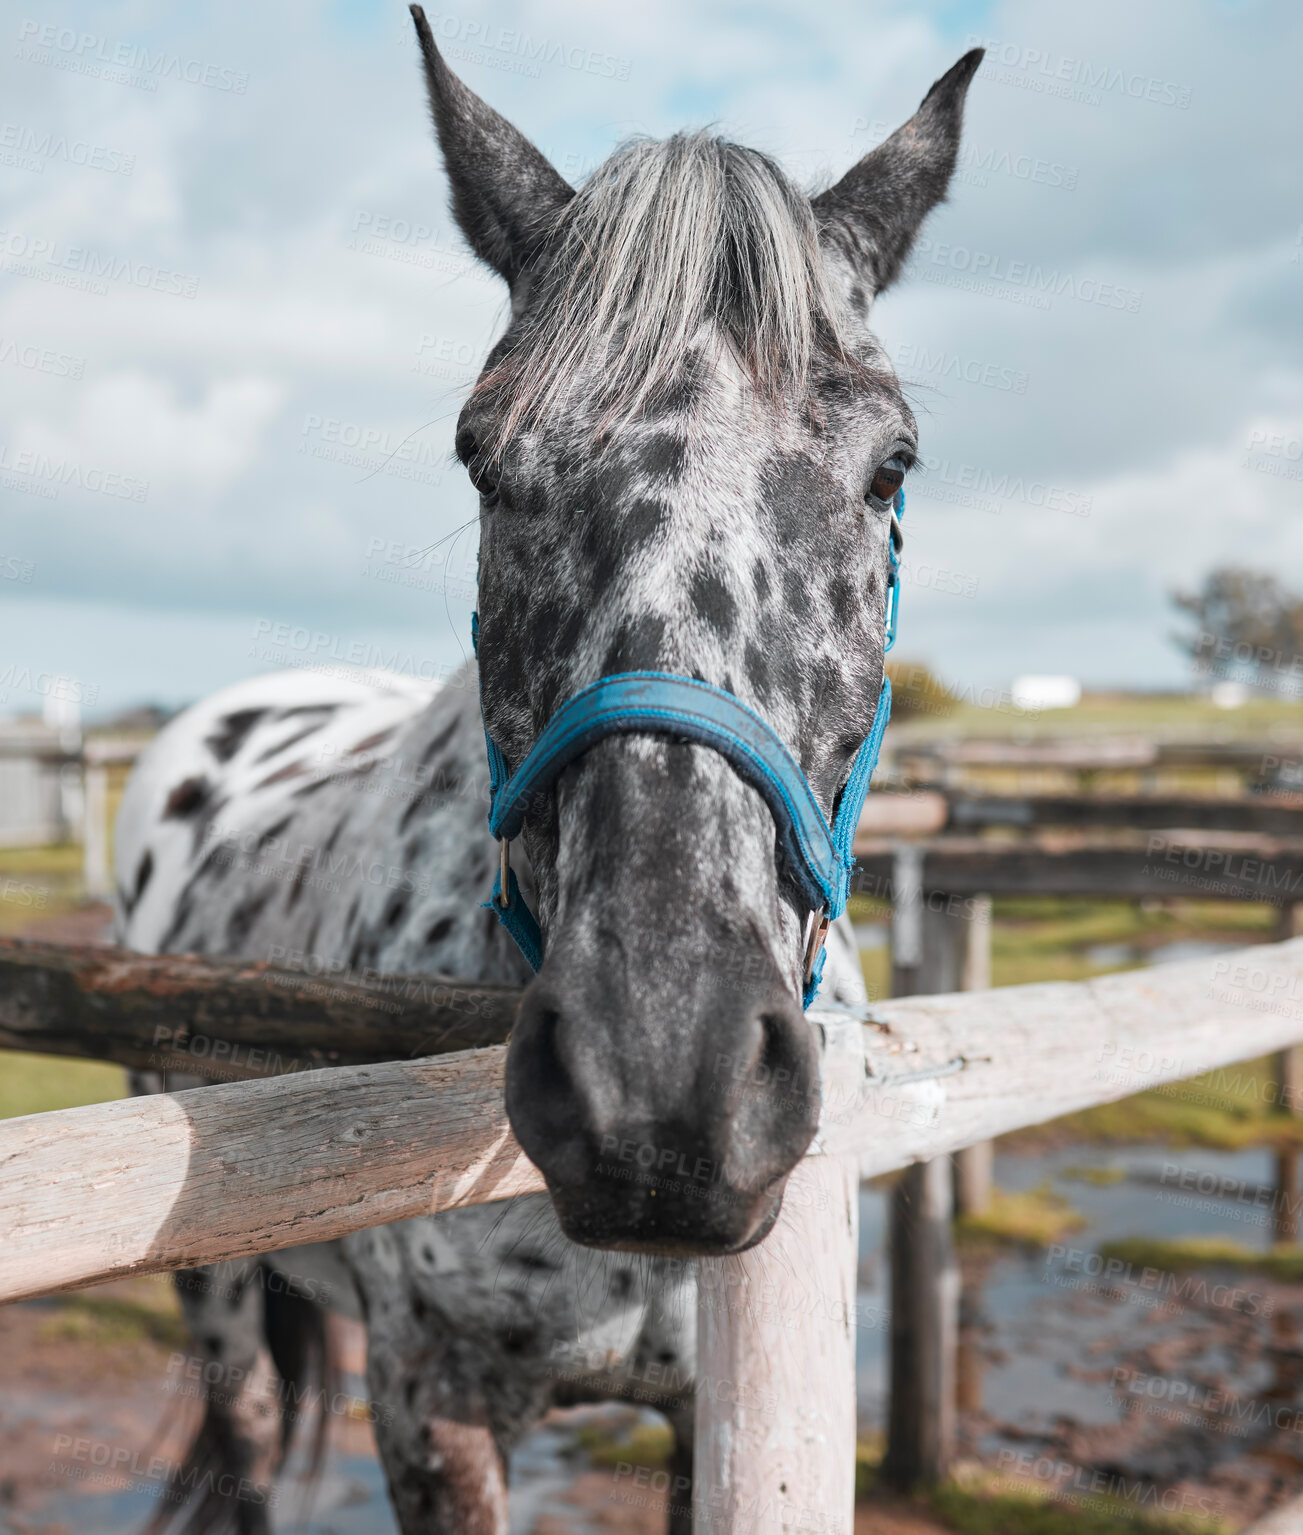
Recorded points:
(662, 1123)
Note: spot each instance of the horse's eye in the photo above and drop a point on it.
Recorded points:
(888, 477)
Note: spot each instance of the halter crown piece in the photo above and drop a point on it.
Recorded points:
(818, 857)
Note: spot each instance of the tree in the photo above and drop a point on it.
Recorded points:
(1248, 628)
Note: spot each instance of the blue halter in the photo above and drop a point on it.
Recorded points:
(819, 857)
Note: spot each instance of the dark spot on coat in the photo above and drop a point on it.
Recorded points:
(290, 770)
(241, 921)
(713, 601)
(636, 646)
(287, 714)
(438, 744)
(438, 931)
(396, 910)
(188, 796)
(643, 521)
(269, 836)
(664, 455)
(232, 732)
(296, 886)
(290, 740)
(760, 580)
(143, 871)
(368, 743)
(757, 667)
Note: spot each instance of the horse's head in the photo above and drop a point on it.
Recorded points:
(687, 444)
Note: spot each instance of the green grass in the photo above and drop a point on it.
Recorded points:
(1188, 1253)
(30, 1084)
(978, 1501)
(649, 1444)
(1034, 1218)
(1112, 713)
(1228, 1109)
(102, 1322)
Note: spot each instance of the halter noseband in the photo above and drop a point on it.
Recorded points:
(819, 857)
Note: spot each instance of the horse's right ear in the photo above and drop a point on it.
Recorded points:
(505, 194)
(875, 211)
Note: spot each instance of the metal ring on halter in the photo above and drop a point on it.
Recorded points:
(504, 872)
(816, 932)
(897, 532)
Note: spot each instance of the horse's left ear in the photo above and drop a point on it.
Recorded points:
(875, 211)
(505, 193)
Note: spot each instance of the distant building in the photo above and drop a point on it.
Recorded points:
(1037, 693)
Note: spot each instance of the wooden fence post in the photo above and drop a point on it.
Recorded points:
(974, 1165)
(775, 1416)
(924, 1327)
(930, 946)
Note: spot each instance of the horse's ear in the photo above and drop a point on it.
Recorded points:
(875, 211)
(505, 194)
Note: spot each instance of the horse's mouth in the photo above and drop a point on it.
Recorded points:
(664, 1226)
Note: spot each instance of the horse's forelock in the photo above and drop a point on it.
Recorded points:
(667, 241)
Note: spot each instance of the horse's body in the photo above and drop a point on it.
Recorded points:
(688, 444)
(337, 824)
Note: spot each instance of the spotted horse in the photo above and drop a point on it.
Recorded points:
(688, 445)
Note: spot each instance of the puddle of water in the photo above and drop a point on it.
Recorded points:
(1045, 1314)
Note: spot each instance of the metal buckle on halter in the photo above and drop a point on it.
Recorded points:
(504, 872)
(815, 933)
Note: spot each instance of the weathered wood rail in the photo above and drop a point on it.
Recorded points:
(229, 1019)
(173, 1180)
(154, 1183)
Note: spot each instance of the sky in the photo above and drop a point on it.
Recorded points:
(237, 322)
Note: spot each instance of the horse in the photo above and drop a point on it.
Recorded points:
(687, 444)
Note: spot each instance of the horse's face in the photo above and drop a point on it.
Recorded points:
(686, 444)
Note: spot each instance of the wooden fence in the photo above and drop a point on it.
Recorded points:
(284, 1152)
(294, 1156)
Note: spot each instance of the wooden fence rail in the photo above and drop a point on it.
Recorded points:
(280, 1156)
(165, 1181)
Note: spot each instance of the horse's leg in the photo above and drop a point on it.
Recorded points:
(229, 1471)
(444, 1456)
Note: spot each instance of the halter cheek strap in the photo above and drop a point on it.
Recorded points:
(818, 857)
